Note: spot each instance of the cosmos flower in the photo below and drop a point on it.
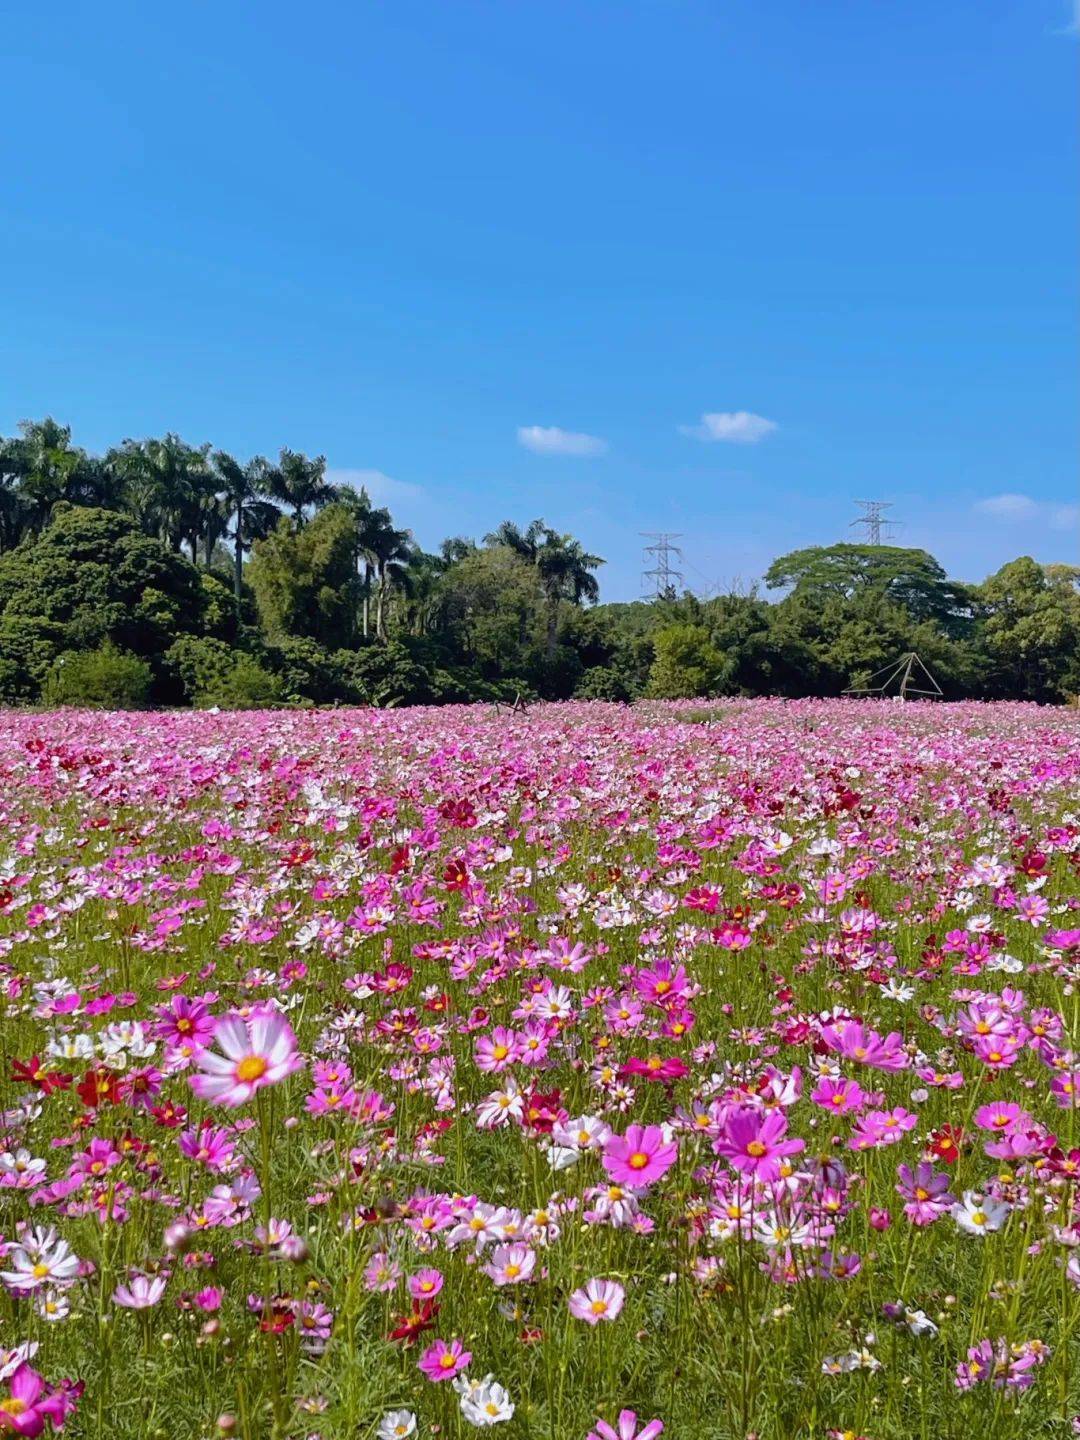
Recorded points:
(396, 1425)
(142, 1292)
(626, 1429)
(756, 1143)
(597, 1300)
(483, 1402)
(444, 1360)
(258, 1052)
(640, 1157)
(30, 1404)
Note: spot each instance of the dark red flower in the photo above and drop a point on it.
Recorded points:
(33, 1072)
(410, 1327)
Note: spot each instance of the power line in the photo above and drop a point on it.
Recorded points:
(660, 577)
(871, 520)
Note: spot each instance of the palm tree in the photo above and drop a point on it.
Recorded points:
(169, 487)
(12, 508)
(47, 468)
(564, 568)
(391, 551)
(421, 585)
(525, 543)
(300, 484)
(565, 574)
(244, 496)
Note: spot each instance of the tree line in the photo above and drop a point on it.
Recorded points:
(169, 573)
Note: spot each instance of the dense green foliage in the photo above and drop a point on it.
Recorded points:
(257, 582)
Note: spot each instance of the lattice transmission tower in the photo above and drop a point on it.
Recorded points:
(871, 521)
(660, 577)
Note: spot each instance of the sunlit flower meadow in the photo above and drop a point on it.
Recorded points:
(597, 1073)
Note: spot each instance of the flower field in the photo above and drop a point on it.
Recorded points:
(699, 1070)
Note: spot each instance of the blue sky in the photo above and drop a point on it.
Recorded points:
(424, 236)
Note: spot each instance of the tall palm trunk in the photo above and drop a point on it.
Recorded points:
(380, 597)
(552, 627)
(238, 556)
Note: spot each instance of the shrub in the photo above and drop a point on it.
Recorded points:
(686, 664)
(104, 678)
(200, 664)
(308, 671)
(28, 648)
(603, 682)
(245, 685)
(387, 675)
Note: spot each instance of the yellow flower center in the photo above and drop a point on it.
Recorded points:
(638, 1160)
(756, 1149)
(251, 1068)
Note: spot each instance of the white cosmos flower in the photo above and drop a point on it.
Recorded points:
(896, 990)
(483, 1402)
(919, 1323)
(396, 1425)
(978, 1216)
(41, 1259)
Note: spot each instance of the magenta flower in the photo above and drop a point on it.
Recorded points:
(257, 1052)
(854, 1041)
(425, 1284)
(444, 1360)
(627, 1429)
(30, 1403)
(926, 1192)
(640, 1157)
(839, 1096)
(597, 1300)
(1006, 1115)
(755, 1143)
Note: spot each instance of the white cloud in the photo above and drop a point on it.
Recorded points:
(1022, 507)
(1007, 506)
(383, 489)
(550, 440)
(737, 427)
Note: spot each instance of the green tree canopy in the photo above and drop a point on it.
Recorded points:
(96, 575)
(305, 579)
(912, 579)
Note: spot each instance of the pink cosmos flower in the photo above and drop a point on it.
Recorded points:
(627, 1429)
(754, 1142)
(1003, 1117)
(29, 1403)
(640, 1157)
(656, 1067)
(856, 1042)
(425, 1284)
(926, 1192)
(511, 1264)
(142, 1293)
(839, 1096)
(597, 1300)
(444, 1360)
(259, 1051)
